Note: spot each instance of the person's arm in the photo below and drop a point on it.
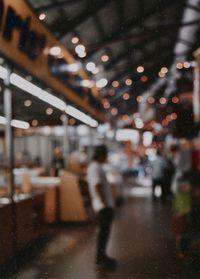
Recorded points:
(101, 194)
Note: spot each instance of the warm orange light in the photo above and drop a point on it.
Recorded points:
(162, 100)
(126, 96)
(72, 121)
(165, 122)
(104, 58)
(75, 40)
(164, 70)
(114, 111)
(34, 123)
(128, 82)
(115, 83)
(179, 65)
(151, 100)
(111, 92)
(186, 65)
(140, 69)
(139, 99)
(161, 75)
(106, 105)
(144, 78)
(174, 116)
(175, 100)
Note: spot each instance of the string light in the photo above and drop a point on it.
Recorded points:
(27, 103)
(34, 123)
(179, 66)
(175, 100)
(114, 111)
(140, 69)
(139, 99)
(128, 82)
(162, 100)
(144, 78)
(42, 16)
(104, 58)
(75, 40)
(126, 96)
(151, 100)
(115, 83)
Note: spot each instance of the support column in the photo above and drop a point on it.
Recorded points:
(66, 141)
(9, 142)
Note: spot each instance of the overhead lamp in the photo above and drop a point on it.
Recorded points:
(27, 103)
(95, 71)
(104, 58)
(126, 96)
(162, 100)
(15, 123)
(175, 99)
(144, 78)
(101, 83)
(42, 16)
(49, 111)
(76, 113)
(3, 72)
(111, 92)
(139, 99)
(55, 51)
(74, 67)
(115, 83)
(75, 40)
(128, 81)
(90, 66)
(151, 100)
(20, 124)
(179, 65)
(164, 70)
(82, 54)
(80, 48)
(114, 111)
(34, 123)
(140, 69)
(186, 65)
(106, 105)
(161, 74)
(87, 83)
(37, 91)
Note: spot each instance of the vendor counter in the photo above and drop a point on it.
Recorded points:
(66, 197)
(22, 221)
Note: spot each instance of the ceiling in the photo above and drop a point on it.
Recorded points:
(130, 33)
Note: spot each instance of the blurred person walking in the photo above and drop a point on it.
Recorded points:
(158, 175)
(103, 204)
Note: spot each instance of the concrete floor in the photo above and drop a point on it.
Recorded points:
(141, 240)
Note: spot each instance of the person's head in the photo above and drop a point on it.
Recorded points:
(57, 152)
(100, 153)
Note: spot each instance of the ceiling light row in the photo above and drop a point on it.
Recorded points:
(45, 96)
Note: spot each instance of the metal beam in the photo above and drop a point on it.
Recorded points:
(52, 6)
(165, 49)
(65, 26)
(153, 37)
(134, 23)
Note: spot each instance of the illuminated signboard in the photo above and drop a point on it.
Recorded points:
(26, 41)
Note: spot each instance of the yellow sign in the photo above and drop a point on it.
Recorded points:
(26, 41)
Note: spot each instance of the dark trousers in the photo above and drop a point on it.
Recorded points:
(104, 218)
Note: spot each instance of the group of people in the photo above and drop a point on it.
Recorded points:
(178, 173)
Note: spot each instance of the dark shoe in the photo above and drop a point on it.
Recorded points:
(107, 262)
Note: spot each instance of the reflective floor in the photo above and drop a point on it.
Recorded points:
(141, 240)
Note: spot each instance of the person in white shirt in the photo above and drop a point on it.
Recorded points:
(103, 204)
(158, 169)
